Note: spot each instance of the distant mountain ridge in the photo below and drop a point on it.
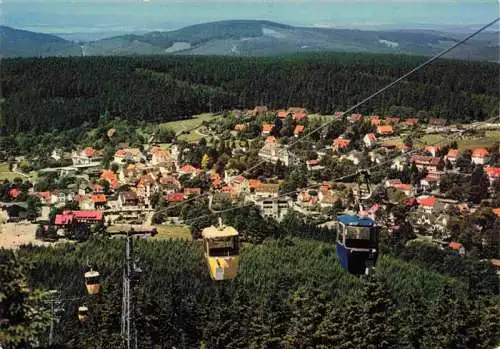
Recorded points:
(250, 38)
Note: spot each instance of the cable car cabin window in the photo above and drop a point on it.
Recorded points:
(360, 237)
(92, 280)
(223, 246)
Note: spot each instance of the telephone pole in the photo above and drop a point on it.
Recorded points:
(55, 310)
(130, 276)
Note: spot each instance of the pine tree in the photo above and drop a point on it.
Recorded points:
(22, 317)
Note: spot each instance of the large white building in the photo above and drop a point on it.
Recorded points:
(274, 207)
(272, 152)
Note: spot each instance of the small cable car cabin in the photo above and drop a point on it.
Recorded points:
(357, 243)
(83, 313)
(221, 248)
(92, 282)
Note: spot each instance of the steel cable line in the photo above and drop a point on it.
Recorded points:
(383, 89)
(339, 178)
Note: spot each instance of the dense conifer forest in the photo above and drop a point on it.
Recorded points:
(290, 293)
(40, 95)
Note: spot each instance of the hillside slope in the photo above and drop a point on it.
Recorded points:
(259, 38)
(23, 43)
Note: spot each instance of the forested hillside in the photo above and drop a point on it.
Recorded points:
(40, 95)
(290, 293)
(23, 43)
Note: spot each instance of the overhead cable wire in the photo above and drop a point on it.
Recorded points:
(380, 91)
(383, 89)
(338, 179)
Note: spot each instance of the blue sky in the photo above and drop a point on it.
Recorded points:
(113, 17)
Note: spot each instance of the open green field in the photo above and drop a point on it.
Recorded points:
(320, 117)
(466, 143)
(490, 139)
(189, 124)
(6, 174)
(173, 231)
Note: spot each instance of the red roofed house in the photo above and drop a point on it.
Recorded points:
(79, 217)
(497, 212)
(457, 247)
(411, 122)
(98, 188)
(230, 190)
(99, 200)
(85, 157)
(338, 114)
(432, 149)
(241, 184)
(427, 203)
(392, 182)
(356, 118)
(192, 191)
(452, 155)
(216, 180)
(385, 130)
(298, 130)
(295, 110)
(169, 184)
(282, 114)
(493, 173)
(370, 140)
(391, 120)
(428, 162)
(266, 129)
(188, 169)
(175, 197)
(254, 184)
(299, 116)
(128, 198)
(307, 199)
(432, 180)
(160, 155)
(44, 196)
(326, 199)
(340, 144)
(313, 165)
(479, 156)
(111, 178)
(405, 188)
(14, 193)
(128, 154)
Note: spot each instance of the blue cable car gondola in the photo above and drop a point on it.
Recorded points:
(357, 243)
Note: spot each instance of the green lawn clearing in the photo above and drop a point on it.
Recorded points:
(173, 231)
(431, 139)
(6, 174)
(487, 141)
(188, 124)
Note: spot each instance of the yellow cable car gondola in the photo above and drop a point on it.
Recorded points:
(83, 313)
(92, 282)
(221, 246)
